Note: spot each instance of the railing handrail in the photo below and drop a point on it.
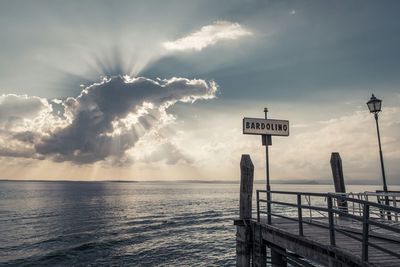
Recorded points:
(377, 193)
(337, 196)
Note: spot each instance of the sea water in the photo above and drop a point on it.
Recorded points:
(123, 224)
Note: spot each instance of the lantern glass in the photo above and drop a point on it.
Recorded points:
(371, 106)
(374, 104)
(378, 105)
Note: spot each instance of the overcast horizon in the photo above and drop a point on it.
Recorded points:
(98, 90)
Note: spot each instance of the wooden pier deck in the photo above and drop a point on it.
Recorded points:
(315, 244)
(315, 229)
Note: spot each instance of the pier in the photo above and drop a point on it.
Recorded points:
(316, 229)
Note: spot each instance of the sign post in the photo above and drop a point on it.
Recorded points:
(266, 128)
(267, 141)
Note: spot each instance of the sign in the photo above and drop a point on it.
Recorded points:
(265, 127)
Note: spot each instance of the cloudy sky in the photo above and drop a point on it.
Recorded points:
(156, 90)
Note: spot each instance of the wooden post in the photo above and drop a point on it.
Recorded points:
(243, 232)
(278, 259)
(338, 179)
(259, 249)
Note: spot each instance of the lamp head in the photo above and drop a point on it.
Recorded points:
(374, 104)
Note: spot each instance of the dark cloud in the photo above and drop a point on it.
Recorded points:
(103, 122)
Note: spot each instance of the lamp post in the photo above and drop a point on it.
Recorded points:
(374, 106)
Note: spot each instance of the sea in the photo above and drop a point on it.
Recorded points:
(123, 224)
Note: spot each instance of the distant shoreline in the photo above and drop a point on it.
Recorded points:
(300, 182)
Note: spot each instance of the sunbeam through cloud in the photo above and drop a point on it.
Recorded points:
(103, 122)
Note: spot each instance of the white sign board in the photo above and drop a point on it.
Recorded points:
(265, 127)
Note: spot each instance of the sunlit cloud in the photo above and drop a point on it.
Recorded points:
(208, 35)
(304, 154)
(101, 124)
(354, 136)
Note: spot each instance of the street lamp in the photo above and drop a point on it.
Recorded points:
(374, 106)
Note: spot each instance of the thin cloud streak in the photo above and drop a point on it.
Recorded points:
(208, 36)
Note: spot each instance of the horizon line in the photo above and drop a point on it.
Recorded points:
(236, 181)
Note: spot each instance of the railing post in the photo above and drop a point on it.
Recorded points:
(364, 256)
(300, 214)
(258, 205)
(331, 221)
(396, 215)
(387, 203)
(269, 220)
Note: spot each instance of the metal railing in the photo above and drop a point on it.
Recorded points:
(335, 212)
(391, 198)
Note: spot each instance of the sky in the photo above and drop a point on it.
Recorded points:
(157, 90)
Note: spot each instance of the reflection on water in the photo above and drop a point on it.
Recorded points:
(103, 223)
